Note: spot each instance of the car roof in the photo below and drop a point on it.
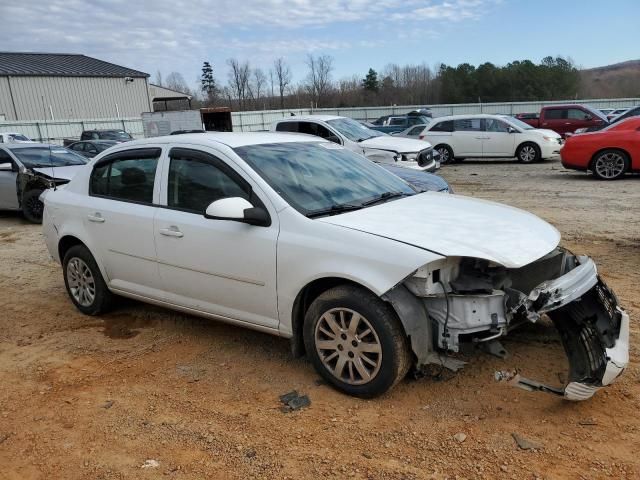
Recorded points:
(230, 139)
(471, 115)
(322, 118)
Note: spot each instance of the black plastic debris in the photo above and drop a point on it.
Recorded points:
(293, 401)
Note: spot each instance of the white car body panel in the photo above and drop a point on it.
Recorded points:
(63, 173)
(459, 226)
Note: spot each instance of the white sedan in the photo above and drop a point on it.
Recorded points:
(457, 137)
(302, 238)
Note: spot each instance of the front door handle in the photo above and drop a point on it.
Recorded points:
(96, 217)
(171, 232)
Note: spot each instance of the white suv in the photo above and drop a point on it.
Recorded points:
(376, 146)
(302, 238)
(458, 137)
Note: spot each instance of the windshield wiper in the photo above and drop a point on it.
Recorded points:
(333, 210)
(384, 197)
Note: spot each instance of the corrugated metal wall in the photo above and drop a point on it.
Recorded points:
(261, 120)
(72, 97)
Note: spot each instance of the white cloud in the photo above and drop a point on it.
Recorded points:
(179, 34)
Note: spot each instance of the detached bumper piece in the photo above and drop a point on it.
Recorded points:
(595, 335)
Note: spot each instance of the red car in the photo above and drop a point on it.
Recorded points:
(565, 119)
(608, 153)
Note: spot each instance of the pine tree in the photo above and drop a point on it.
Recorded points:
(208, 82)
(370, 82)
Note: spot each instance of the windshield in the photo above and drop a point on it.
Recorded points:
(119, 135)
(38, 157)
(354, 131)
(19, 137)
(103, 146)
(518, 123)
(313, 177)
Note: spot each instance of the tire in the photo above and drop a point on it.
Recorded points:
(446, 154)
(32, 207)
(364, 373)
(610, 164)
(528, 153)
(84, 282)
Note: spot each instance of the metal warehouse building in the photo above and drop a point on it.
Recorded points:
(58, 86)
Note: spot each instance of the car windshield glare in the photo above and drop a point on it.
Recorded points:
(314, 177)
(354, 131)
(37, 157)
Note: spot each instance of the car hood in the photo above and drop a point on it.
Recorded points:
(453, 225)
(546, 132)
(396, 144)
(61, 173)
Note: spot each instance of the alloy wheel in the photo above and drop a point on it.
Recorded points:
(610, 165)
(348, 346)
(35, 207)
(527, 154)
(81, 282)
(444, 154)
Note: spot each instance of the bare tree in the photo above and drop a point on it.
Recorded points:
(258, 84)
(283, 76)
(158, 79)
(239, 80)
(319, 77)
(175, 81)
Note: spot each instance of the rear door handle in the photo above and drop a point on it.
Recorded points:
(96, 217)
(171, 232)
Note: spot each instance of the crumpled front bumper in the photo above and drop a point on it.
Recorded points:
(593, 328)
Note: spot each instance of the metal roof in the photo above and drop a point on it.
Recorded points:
(61, 65)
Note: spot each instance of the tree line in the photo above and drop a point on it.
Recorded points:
(254, 88)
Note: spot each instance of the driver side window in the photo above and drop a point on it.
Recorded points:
(196, 179)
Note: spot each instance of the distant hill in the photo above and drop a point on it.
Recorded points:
(610, 81)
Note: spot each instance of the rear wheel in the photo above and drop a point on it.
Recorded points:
(610, 164)
(84, 282)
(446, 154)
(528, 153)
(32, 207)
(356, 341)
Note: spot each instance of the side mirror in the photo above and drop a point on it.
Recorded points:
(6, 167)
(239, 210)
(334, 139)
(588, 118)
(511, 130)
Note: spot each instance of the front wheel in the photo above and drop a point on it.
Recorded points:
(528, 153)
(356, 342)
(32, 207)
(446, 154)
(84, 282)
(610, 165)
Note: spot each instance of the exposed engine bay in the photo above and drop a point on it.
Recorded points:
(468, 299)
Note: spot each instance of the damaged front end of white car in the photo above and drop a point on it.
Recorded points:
(461, 299)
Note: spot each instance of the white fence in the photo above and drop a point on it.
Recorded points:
(55, 131)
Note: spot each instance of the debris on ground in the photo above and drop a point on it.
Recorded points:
(108, 404)
(525, 444)
(150, 464)
(588, 422)
(293, 401)
(460, 437)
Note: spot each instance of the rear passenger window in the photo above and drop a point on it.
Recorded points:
(287, 127)
(127, 176)
(555, 114)
(446, 126)
(468, 125)
(196, 179)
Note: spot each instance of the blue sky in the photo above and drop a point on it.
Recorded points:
(178, 35)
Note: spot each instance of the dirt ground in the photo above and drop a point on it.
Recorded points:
(96, 398)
